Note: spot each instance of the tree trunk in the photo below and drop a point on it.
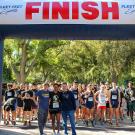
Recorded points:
(23, 61)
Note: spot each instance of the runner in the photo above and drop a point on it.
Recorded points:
(107, 88)
(33, 101)
(115, 103)
(10, 93)
(9, 107)
(121, 111)
(90, 104)
(20, 102)
(130, 98)
(75, 91)
(79, 93)
(83, 105)
(34, 107)
(101, 102)
(55, 108)
(27, 107)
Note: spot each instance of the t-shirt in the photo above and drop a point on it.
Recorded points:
(101, 98)
(18, 93)
(54, 101)
(9, 94)
(75, 92)
(43, 96)
(27, 102)
(130, 95)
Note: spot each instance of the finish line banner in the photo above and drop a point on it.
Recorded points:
(67, 12)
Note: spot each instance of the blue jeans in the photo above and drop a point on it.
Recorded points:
(70, 114)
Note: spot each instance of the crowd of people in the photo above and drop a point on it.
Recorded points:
(58, 102)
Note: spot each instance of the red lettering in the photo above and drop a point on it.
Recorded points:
(75, 10)
(30, 10)
(46, 10)
(106, 10)
(93, 12)
(62, 10)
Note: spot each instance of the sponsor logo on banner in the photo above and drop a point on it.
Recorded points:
(6, 9)
(129, 9)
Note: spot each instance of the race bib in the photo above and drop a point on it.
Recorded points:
(114, 96)
(75, 96)
(55, 105)
(90, 99)
(103, 99)
(9, 94)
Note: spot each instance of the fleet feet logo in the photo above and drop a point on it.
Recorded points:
(6, 9)
(129, 9)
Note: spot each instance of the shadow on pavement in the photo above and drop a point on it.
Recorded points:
(6, 132)
(107, 129)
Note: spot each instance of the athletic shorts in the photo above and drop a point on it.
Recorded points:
(115, 104)
(107, 105)
(19, 102)
(89, 105)
(27, 107)
(12, 108)
(131, 106)
(102, 107)
(54, 112)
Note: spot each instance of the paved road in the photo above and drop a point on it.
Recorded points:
(125, 129)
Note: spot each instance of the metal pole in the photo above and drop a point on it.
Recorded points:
(1, 71)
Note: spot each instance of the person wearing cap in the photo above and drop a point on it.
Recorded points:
(68, 107)
(43, 107)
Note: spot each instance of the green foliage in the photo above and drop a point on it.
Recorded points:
(86, 61)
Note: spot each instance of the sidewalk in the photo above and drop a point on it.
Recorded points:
(124, 129)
